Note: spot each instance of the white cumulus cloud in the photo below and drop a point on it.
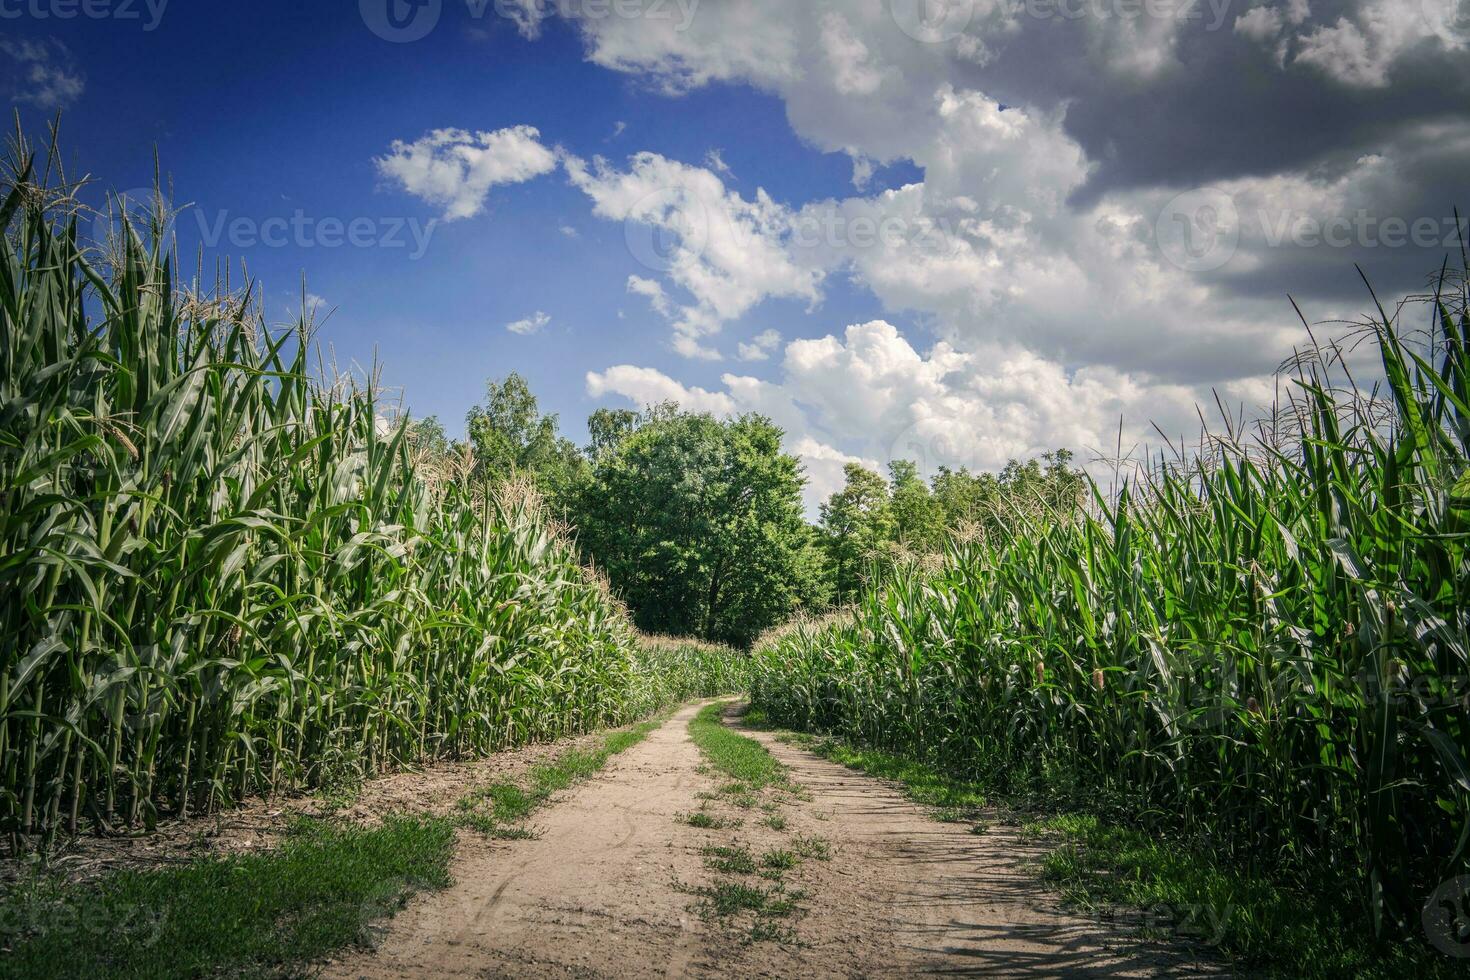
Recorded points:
(726, 252)
(455, 169)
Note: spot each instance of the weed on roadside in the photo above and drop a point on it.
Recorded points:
(780, 860)
(818, 848)
(729, 860)
(705, 820)
(260, 914)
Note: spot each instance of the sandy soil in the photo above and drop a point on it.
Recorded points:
(611, 887)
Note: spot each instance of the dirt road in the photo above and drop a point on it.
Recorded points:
(618, 883)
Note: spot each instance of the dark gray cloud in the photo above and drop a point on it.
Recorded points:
(1228, 105)
(1227, 110)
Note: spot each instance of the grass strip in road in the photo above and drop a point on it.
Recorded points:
(763, 909)
(254, 915)
(733, 754)
(497, 809)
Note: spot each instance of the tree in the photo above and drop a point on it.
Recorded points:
(1048, 489)
(698, 524)
(857, 524)
(428, 436)
(511, 437)
(918, 519)
(965, 498)
(607, 427)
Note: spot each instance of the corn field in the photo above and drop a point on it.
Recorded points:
(222, 577)
(1264, 644)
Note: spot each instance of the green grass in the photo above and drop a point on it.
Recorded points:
(496, 808)
(738, 756)
(729, 860)
(704, 820)
(728, 898)
(815, 847)
(753, 772)
(259, 915)
(732, 897)
(780, 860)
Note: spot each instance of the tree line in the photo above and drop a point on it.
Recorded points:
(698, 522)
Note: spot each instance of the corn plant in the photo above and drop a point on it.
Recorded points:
(220, 576)
(1262, 644)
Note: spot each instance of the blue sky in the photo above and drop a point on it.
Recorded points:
(297, 123)
(1088, 217)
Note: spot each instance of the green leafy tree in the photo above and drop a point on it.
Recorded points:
(607, 427)
(965, 498)
(698, 524)
(1045, 489)
(857, 524)
(510, 437)
(918, 519)
(428, 436)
